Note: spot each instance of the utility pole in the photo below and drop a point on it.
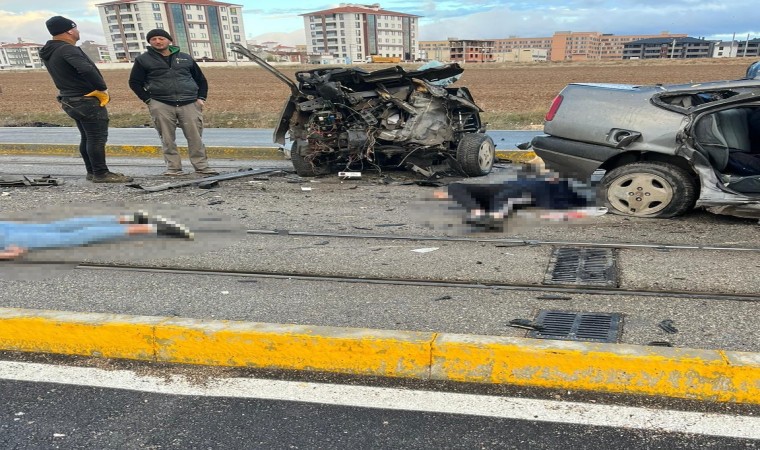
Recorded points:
(746, 44)
(673, 48)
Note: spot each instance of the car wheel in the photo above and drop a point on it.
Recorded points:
(475, 154)
(306, 167)
(648, 189)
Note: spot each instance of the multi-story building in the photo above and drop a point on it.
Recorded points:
(435, 50)
(575, 46)
(96, 52)
(522, 55)
(737, 49)
(514, 44)
(471, 50)
(202, 28)
(20, 55)
(662, 47)
(584, 46)
(355, 32)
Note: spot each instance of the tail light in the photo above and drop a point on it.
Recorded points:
(553, 109)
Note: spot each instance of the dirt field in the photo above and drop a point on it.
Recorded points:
(513, 96)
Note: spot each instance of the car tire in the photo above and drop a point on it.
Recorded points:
(475, 154)
(304, 167)
(648, 189)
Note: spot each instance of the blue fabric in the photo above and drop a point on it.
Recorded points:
(62, 233)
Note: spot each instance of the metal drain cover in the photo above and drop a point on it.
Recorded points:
(582, 266)
(575, 326)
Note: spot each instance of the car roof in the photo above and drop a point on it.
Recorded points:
(710, 85)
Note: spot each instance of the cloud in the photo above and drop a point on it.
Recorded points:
(30, 26)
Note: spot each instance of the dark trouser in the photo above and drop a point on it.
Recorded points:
(92, 122)
(744, 164)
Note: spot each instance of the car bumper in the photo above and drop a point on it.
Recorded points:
(571, 158)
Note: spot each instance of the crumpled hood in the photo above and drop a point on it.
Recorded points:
(50, 46)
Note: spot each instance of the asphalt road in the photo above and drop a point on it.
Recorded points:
(81, 407)
(212, 137)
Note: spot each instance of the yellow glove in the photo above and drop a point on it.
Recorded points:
(100, 95)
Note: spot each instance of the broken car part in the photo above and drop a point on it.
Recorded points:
(668, 326)
(198, 181)
(353, 119)
(26, 180)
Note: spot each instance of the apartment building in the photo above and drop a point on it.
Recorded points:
(202, 28)
(20, 55)
(682, 47)
(353, 32)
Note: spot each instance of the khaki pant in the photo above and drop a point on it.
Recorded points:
(166, 119)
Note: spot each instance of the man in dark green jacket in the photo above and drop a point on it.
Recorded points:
(174, 88)
(83, 95)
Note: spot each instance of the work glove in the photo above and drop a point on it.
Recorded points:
(100, 95)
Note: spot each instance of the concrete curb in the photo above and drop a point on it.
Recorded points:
(708, 375)
(154, 151)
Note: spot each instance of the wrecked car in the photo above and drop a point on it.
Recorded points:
(354, 119)
(659, 150)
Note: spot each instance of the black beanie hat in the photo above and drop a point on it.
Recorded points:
(59, 24)
(158, 32)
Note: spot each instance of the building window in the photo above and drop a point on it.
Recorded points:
(237, 38)
(190, 25)
(189, 17)
(234, 19)
(200, 17)
(202, 26)
(156, 16)
(233, 10)
(159, 25)
(156, 7)
(223, 9)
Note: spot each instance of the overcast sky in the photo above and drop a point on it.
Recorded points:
(487, 19)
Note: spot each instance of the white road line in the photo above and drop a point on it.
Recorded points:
(397, 399)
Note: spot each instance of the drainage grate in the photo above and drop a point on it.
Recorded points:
(582, 266)
(573, 326)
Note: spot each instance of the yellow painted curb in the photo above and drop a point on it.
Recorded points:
(713, 375)
(707, 375)
(517, 156)
(140, 151)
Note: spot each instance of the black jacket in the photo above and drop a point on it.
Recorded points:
(176, 79)
(73, 73)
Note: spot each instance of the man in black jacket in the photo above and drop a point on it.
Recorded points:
(83, 96)
(173, 86)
